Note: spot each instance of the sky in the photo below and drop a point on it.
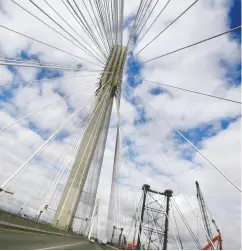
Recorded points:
(214, 126)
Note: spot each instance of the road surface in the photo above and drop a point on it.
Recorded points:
(17, 239)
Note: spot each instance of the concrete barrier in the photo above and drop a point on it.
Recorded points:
(18, 220)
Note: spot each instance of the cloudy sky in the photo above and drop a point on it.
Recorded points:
(146, 138)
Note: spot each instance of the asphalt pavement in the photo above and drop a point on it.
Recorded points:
(18, 240)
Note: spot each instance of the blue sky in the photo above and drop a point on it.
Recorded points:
(204, 131)
(235, 17)
(197, 134)
(233, 76)
(234, 21)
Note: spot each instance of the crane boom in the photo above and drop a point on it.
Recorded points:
(204, 213)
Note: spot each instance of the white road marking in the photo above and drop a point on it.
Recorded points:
(74, 244)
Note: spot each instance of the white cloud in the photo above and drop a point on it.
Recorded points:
(6, 76)
(199, 68)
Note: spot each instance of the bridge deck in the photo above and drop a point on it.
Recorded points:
(19, 239)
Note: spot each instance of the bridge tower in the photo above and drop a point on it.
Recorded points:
(110, 81)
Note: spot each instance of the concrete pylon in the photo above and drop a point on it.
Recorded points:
(109, 81)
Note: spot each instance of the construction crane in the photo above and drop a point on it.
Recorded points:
(204, 212)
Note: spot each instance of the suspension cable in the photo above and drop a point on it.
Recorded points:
(152, 24)
(88, 43)
(138, 33)
(133, 27)
(89, 29)
(42, 97)
(39, 66)
(173, 176)
(136, 25)
(53, 20)
(144, 20)
(76, 33)
(53, 79)
(51, 46)
(35, 61)
(80, 161)
(186, 224)
(43, 108)
(179, 236)
(86, 30)
(92, 55)
(191, 144)
(74, 147)
(154, 182)
(85, 166)
(48, 140)
(187, 90)
(167, 27)
(98, 25)
(102, 27)
(188, 46)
